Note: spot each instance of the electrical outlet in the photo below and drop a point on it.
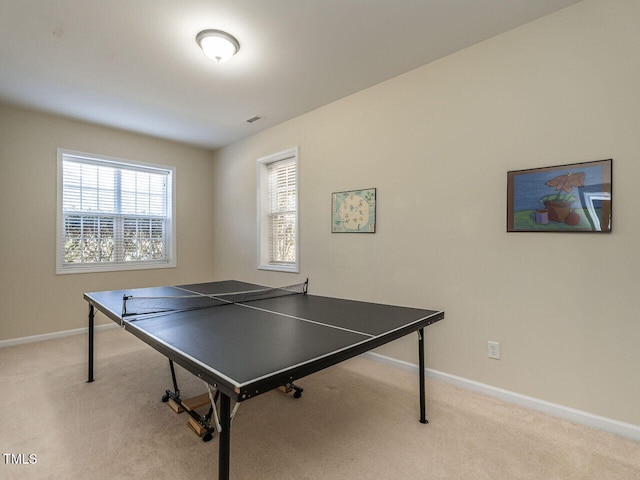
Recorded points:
(494, 350)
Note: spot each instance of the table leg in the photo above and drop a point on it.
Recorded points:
(176, 390)
(225, 437)
(423, 395)
(91, 322)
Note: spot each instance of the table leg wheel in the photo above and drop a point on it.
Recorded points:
(207, 437)
(165, 398)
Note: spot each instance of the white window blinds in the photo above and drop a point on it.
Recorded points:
(282, 211)
(113, 214)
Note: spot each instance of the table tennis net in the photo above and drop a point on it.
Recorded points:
(144, 305)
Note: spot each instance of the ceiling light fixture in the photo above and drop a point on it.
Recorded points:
(218, 45)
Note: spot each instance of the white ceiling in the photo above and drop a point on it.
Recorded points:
(135, 65)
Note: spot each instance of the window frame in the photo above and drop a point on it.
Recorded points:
(95, 267)
(264, 254)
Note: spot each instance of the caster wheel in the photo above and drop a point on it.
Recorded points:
(297, 394)
(165, 398)
(207, 437)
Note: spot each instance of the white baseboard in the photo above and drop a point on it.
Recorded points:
(50, 336)
(627, 430)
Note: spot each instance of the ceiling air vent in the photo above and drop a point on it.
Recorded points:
(254, 119)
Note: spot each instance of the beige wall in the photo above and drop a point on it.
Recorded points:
(437, 143)
(33, 299)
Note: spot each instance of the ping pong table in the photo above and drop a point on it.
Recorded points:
(244, 339)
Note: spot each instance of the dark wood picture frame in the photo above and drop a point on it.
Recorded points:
(574, 197)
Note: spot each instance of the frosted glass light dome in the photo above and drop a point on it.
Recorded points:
(219, 46)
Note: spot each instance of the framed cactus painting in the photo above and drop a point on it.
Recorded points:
(565, 198)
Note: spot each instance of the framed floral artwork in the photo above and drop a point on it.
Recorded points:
(354, 211)
(564, 198)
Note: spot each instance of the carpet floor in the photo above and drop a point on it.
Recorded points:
(357, 421)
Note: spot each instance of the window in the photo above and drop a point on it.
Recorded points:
(278, 211)
(113, 214)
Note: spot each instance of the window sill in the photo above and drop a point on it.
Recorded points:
(64, 270)
(280, 268)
